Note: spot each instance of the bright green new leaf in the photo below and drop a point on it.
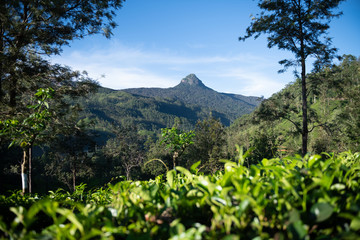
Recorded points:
(231, 237)
(338, 186)
(170, 175)
(355, 224)
(218, 201)
(193, 167)
(321, 211)
(186, 172)
(72, 218)
(313, 159)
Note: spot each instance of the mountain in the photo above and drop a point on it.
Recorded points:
(108, 107)
(191, 91)
(153, 108)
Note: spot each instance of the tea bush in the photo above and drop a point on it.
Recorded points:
(291, 198)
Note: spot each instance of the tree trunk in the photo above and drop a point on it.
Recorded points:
(128, 178)
(1, 80)
(74, 179)
(175, 156)
(12, 95)
(30, 158)
(2, 75)
(305, 130)
(24, 179)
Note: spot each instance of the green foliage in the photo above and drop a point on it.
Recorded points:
(301, 28)
(176, 141)
(333, 106)
(70, 157)
(109, 107)
(23, 133)
(32, 29)
(125, 150)
(263, 144)
(209, 145)
(290, 198)
(297, 26)
(152, 109)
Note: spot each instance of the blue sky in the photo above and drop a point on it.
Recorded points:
(159, 42)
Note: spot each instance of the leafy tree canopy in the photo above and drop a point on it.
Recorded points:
(31, 28)
(299, 26)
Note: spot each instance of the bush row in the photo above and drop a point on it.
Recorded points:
(316, 197)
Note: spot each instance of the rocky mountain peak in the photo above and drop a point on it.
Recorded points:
(192, 80)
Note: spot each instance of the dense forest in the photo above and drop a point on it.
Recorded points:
(151, 109)
(274, 128)
(79, 161)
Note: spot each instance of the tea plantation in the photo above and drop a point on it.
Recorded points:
(316, 197)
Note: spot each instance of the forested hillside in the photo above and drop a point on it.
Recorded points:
(150, 109)
(111, 107)
(154, 108)
(192, 92)
(274, 128)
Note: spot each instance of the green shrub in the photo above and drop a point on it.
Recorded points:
(292, 198)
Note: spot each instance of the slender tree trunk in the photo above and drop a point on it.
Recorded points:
(74, 179)
(13, 93)
(24, 178)
(305, 130)
(1, 61)
(128, 174)
(30, 158)
(175, 156)
(1, 80)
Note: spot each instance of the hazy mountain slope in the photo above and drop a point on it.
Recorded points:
(153, 108)
(109, 107)
(192, 91)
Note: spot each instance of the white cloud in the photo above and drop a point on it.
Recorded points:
(254, 83)
(121, 78)
(132, 67)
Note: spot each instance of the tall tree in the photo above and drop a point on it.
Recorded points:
(31, 28)
(70, 155)
(26, 123)
(176, 141)
(299, 26)
(349, 78)
(125, 150)
(26, 132)
(208, 144)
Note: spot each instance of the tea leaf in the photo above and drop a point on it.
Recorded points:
(321, 211)
(355, 224)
